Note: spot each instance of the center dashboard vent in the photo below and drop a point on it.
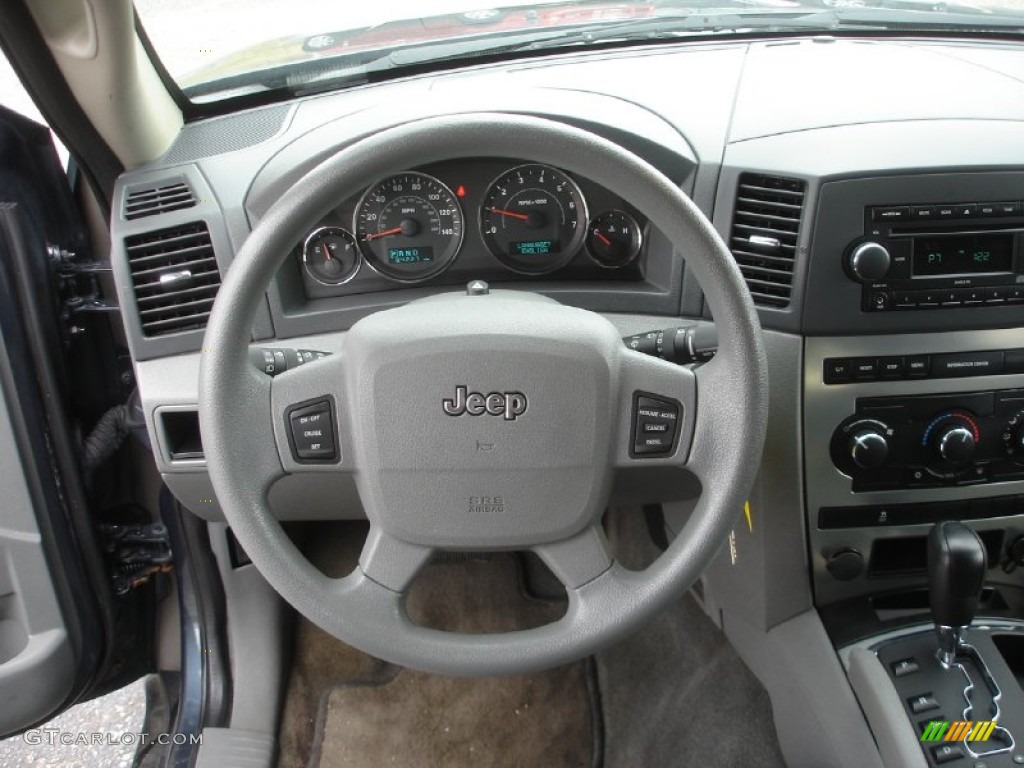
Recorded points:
(765, 228)
(154, 200)
(175, 277)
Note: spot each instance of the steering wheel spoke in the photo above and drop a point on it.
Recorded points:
(391, 562)
(310, 417)
(580, 559)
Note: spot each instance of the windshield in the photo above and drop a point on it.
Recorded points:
(216, 49)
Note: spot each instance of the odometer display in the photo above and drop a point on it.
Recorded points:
(533, 219)
(409, 227)
(410, 255)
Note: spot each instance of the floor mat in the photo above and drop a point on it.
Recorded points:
(676, 693)
(345, 709)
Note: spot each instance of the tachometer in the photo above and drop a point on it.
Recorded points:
(533, 219)
(409, 227)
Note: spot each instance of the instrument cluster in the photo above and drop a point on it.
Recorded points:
(495, 219)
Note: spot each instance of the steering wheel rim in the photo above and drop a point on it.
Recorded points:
(365, 608)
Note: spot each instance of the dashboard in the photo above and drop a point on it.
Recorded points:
(879, 230)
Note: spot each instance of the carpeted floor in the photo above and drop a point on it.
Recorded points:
(674, 694)
(346, 709)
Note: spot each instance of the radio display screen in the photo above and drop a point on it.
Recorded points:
(939, 255)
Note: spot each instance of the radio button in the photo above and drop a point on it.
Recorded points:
(928, 298)
(890, 213)
(973, 296)
(923, 212)
(1007, 209)
(966, 210)
(996, 296)
(918, 366)
(950, 298)
(988, 210)
(906, 300)
(945, 211)
(1015, 295)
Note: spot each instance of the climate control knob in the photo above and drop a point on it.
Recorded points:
(1013, 436)
(956, 444)
(868, 448)
(869, 262)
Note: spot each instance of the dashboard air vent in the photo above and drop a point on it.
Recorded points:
(175, 276)
(151, 201)
(764, 235)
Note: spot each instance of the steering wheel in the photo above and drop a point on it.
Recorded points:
(550, 391)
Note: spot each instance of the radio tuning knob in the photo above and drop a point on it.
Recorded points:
(869, 262)
(868, 448)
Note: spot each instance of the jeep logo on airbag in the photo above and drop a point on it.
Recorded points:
(511, 405)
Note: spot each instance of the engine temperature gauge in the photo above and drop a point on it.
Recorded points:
(614, 239)
(330, 256)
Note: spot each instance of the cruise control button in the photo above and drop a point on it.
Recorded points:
(655, 427)
(312, 431)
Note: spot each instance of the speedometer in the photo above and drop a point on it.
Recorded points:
(409, 227)
(533, 219)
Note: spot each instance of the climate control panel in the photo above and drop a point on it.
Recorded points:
(925, 441)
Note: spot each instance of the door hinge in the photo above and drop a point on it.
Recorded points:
(136, 552)
(79, 287)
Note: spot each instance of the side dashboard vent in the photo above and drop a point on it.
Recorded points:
(152, 201)
(765, 228)
(175, 276)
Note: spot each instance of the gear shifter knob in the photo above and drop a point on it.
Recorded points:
(956, 572)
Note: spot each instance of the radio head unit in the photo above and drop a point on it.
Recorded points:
(939, 256)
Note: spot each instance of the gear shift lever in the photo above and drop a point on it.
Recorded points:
(956, 572)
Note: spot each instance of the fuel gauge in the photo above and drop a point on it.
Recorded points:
(614, 239)
(330, 256)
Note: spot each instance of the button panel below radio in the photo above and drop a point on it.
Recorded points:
(883, 300)
(951, 365)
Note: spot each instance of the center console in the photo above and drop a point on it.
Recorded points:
(913, 416)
